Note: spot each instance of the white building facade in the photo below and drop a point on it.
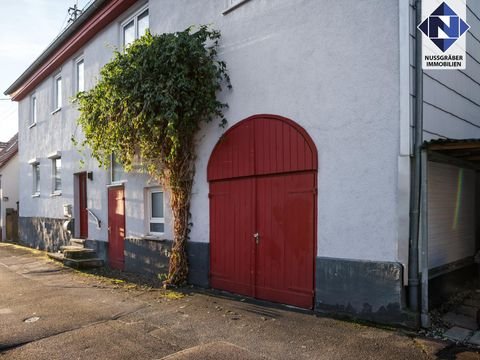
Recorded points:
(335, 79)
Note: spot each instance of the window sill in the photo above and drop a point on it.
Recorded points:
(117, 183)
(159, 238)
(36, 195)
(56, 111)
(56, 193)
(32, 125)
(234, 7)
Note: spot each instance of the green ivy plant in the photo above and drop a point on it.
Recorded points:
(149, 103)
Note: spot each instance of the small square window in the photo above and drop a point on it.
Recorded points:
(58, 93)
(155, 211)
(80, 78)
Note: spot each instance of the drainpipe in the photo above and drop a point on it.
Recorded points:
(413, 268)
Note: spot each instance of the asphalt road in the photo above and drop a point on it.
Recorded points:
(51, 312)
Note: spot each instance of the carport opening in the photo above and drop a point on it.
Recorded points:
(451, 241)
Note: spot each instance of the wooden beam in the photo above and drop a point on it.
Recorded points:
(454, 146)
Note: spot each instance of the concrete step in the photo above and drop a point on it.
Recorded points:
(70, 247)
(83, 263)
(79, 253)
(56, 256)
(77, 242)
(458, 334)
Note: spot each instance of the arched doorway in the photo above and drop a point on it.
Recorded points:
(263, 181)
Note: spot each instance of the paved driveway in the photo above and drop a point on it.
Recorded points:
(51, 312)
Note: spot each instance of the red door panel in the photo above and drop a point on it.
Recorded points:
(116, 227)
(82, 201)
(285, 253)
(232, 208)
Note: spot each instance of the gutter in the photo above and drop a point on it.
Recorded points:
(413, 268)
(54, 45)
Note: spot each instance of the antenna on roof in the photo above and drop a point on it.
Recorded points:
(74, 13)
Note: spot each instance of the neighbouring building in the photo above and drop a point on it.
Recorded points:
(307, 198)
(9, 189)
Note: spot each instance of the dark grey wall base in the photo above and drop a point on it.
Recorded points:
(100, 247)
(146, 256)
(42, 233)
(365, 290)
(199, 263)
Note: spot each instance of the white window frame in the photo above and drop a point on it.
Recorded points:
(57, 94)
(33, 110)
(56, 191)
(133, 17)
(78, 61)
(149, 219)
(35, 182)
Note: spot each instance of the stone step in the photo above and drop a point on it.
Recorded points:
(70, 247)
(80, 253)
(460, 320)
(83, 263)
(77, 242)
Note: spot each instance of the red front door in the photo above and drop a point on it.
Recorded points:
(82, 201)
(262, 177)
(116, 227)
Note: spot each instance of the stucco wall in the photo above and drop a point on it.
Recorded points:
(319, 63)
(53, 132)
(336, 74)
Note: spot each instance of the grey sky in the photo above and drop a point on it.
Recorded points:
(26, 29)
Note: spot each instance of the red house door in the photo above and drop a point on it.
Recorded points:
(262, 177)
(82, 201)
(116, 227)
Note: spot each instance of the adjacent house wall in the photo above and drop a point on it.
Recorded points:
(452, 98)
(10, 190)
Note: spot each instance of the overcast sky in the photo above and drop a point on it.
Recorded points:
(26, 29)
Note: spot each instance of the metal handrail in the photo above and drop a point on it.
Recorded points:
(99, 222)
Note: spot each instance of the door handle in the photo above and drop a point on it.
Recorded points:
(256, 236)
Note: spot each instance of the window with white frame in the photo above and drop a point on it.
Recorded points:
(36, 178)
(80, 75)
(155, 211)
(57, 175)
(58, 93)
(135, 26)
(117, 174)
(33, 115)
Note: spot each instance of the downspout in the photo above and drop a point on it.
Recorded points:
(413, 268)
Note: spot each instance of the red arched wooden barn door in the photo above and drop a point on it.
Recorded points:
(262, 176)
